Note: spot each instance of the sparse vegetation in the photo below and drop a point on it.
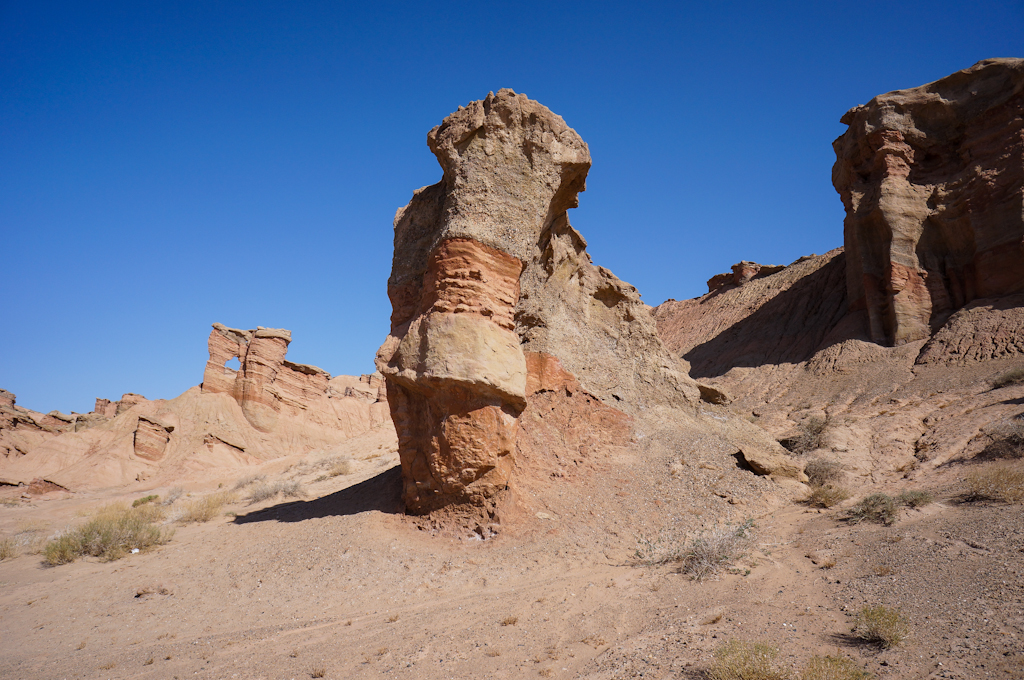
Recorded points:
(205, 508)
(173, 495)
(915, 499)
(827, 496)
(317, 672)
(145, 499)
(110, 534)
(833, 668)
(701, 557)
(1007, 441)
(878, 507)
(1014, 376)
(248, 481)
(743, 660)
(262, 492)
(999, 482)
(881, 625)
(8, 549)
(510, 621)
(822, 471)
(810, 436)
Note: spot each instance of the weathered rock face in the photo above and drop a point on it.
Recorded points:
(494, 297)
(931, 178)
(266, 383)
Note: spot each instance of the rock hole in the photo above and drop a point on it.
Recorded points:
(233, 364)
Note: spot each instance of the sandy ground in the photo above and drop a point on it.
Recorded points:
(340, 583)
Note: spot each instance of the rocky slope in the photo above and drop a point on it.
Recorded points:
(267, 409)
(508, 347)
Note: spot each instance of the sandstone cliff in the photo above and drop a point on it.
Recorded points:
(890, 346)
(931, 181)
(497, 308)
(267, 409)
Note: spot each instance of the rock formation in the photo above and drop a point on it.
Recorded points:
(741, 273)
(494, 297)
(268, 408)
(931, 178)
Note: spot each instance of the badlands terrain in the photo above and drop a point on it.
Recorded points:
(528, 485)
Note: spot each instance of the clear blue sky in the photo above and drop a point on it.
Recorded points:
(167, 165)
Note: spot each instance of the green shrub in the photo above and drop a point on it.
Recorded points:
(145, 499)
(827, 496)
(878, 507)
(833, 668)
(1014, 376)
(110, 534)
(743, 660)
(881, 625)
(915, 499)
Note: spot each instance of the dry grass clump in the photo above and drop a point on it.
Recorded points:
(915, 499)
(510, 621)
(262, 492)
(206, 508)
(1003, 482)
(112, 533)
(701, 557)
(172, 495)
(881, 625)
(8, 549)
(833, 668)
(827, 496)
(822, 471)
(878, 507)
(248, 480)
(1007, 441)
(810, 436)
(1014, 376)
(743, 660)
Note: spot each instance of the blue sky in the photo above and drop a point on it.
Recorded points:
(167, 165)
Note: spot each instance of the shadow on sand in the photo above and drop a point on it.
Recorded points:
(381, 493)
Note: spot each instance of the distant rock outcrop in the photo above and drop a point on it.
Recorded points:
(741, 273)
(268, 408)
(931, 178)
(494, 297)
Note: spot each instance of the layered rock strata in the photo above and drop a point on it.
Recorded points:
(931, 179)
(496, 305)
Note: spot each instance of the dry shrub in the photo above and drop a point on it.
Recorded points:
(701, 557)
(742, 660)
(826, 496)
(821, 472)
(915, 499)
(342, 467)
(206, 508)
(8, 549)
(263, 492)
(881, 625)
(248, 481)
(833, 668)
(317, 671)
(113, 532)
(510, 621)
(173, 495)
(810, 436)
(997, 483)
(878, 507)
(1007, 441)
(1014, 376)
